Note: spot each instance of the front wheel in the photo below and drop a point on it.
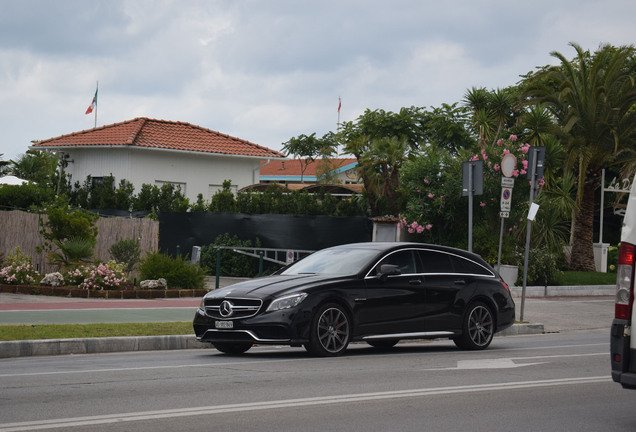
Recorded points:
(232, 348)
(330, 331)
(478, 328)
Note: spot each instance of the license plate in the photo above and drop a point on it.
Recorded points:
(224, 324)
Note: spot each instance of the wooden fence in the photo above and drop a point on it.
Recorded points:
(22, 229)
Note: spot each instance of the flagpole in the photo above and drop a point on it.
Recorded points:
(96, 89)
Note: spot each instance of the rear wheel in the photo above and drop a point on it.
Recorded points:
(330, 331)
(232, 348)
(478, 328)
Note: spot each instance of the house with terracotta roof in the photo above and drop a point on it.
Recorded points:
(157, 152)
(297, 171)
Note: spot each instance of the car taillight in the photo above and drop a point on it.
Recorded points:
(625, 282)
(506, 286)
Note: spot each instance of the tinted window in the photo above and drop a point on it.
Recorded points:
(405, 260)
(436, 262)
(467, 266)
(333, 261)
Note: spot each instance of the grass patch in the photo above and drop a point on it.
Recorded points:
(586, 278)
(69, 331)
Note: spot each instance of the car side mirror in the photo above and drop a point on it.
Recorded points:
(387, 270)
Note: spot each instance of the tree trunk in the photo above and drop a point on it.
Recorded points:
(582, 258)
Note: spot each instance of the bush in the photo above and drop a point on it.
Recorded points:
(232, 263)
(127, 252)
(542, 267)
(16, 257)
(104, 277)
(109, 276)
(178, 272)
(19, 274)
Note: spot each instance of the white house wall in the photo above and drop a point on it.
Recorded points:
(202, 173)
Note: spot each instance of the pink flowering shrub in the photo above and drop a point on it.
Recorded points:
(413, 227)
(99, 277)
(19, 274)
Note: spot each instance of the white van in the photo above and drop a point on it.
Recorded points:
(623, 345)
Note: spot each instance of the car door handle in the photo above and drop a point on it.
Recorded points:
(415, 282)
(460, 282)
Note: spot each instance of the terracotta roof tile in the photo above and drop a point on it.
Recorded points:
(292, 167)
(160, 134)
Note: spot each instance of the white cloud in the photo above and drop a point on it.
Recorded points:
(267, 71)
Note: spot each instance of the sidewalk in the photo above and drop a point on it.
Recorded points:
(563, 309)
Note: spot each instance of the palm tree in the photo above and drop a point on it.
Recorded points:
(591, 99)
(478, 100)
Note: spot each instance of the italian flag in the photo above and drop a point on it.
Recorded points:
(93, 104)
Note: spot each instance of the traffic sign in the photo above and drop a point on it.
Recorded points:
(504, 214)
(507, 182)
(506, 198)
(508, 164)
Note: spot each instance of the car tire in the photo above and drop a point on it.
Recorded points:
(330, 331)
(383, 344)
(478, 328)
(232, 348)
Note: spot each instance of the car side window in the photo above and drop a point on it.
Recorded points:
(436, 262)
(463, 265)
(405, 260)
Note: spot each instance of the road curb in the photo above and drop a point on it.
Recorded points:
(523, 329)
(564, 291)
(47, 347)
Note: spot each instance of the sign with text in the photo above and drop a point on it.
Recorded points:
(506, 198)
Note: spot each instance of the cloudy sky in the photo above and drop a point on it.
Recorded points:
(269, 70)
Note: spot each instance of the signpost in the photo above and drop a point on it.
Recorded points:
(508, 165)
(472, 184)
(536, 156)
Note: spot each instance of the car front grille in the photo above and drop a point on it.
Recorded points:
(232, 308)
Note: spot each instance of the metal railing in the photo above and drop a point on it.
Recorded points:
(263, 254)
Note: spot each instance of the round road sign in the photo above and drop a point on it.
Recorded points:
(508, 164)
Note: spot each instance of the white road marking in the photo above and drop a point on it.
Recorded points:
(508, 363)
(289, 403)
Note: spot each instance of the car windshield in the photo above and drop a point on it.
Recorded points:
(333, 262)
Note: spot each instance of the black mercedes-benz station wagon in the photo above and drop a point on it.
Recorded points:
(379, 293)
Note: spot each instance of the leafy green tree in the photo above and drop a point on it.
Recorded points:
(26, 196)
(37, 166)
(447, 128)
(168, 198)
(223, 200)
(306, 148)
(72, 231)
(592, 99)
(381, 141)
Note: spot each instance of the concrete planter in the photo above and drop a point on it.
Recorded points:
(509, 274)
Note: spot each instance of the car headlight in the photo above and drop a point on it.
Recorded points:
(286, 302)
(202, 304)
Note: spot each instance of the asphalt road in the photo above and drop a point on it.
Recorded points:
(558, 381)
(555, 313)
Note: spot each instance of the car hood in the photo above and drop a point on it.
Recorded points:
(271, 285)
